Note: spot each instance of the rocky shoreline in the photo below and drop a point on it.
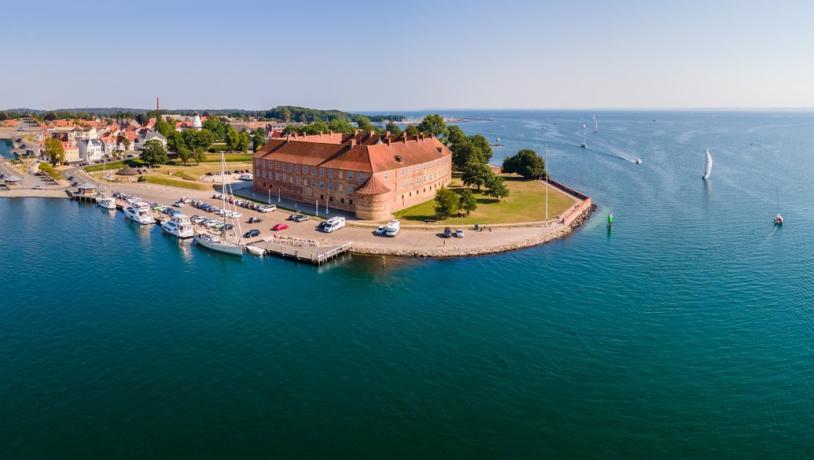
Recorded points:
(559, 232)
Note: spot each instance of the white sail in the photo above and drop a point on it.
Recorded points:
(708, 166)
(596, 125)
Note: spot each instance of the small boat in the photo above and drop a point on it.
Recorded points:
(215, 243)
(107, 202)
(708, 166)
(638, 161)
(596, 124)
(497, 143)
(140, 213)
(179, 226)
(778, 219)
(584, 144)
(255, 251)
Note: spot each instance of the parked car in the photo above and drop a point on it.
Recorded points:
(252, 233)
(459, 233)
(379, 231)
(267, 208)
(298, 217)
(447, 232)
(255, 220)
(279, 227)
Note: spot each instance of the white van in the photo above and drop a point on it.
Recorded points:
(333, 224)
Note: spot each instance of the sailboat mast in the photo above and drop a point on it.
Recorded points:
(546, 182)
(223, 185)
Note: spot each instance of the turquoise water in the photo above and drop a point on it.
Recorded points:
(686, 331)
(5, 148)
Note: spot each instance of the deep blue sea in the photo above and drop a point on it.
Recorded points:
(687, 331)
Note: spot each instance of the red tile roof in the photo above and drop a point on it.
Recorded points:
(360, 152)
(373, 186)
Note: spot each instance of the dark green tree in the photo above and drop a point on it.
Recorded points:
(476, 174)
(245, 141)
(154, 153)
(525, 163)
(434, 124)
(412, 130)
(467, 201)
(393, 128)
(496, 187)
(446, 202)
(258, 139)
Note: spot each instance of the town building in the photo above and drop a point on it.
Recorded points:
(361, 173)
(71, 152)
(146, 136)
(90, 150)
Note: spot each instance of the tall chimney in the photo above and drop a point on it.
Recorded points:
(157, 106)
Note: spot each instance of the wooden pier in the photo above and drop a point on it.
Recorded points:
(312, 254)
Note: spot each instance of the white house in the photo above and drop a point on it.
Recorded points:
(90, 149)
(150, 136)
(86, 134)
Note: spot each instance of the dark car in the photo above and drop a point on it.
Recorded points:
(298, 218)
(447, 233)
(252, 233)
(255, 220)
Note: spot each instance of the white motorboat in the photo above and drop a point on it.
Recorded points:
(392, 228)
(140, 213)
(107, 202)
(778, 219)
(255, 251)
(708, 166)
(215, 243)
(584, 144)
(179, 226)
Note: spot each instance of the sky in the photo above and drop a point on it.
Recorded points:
(415, 55)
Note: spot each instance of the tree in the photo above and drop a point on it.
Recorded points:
(446, 202)
(496, 187)
(232, 138)
(455, 136)
(467, 201)
(164, 127)
(434, 124)
(126, 142)
(185, 154)
(466, 153)
(258, 139)
(482, 144)
(216, 126)
(393, 128)
(245, 141)
(412, 130)
(154, 153)
(364, 124)
(54, 151)
(526, 163)
(476, 174)
(338, 125)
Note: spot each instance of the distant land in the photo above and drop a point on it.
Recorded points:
(283, 112)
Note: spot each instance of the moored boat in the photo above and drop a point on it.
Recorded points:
(107, 202)
(140, 213)
(179, 226)
(218, 244)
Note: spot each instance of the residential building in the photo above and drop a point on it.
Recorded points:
(90, 150)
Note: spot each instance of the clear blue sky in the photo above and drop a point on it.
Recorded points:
(382, 55)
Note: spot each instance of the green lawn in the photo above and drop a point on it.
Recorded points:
(173, 182)
(115, 165)
(51, 171)
(229, 157)
(525, 203)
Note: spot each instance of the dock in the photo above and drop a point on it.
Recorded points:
(313, 254)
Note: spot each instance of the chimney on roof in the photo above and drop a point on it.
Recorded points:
(352, 141)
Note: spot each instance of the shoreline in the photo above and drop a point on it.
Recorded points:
(416, 241)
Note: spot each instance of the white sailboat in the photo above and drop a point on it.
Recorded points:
(106, 201)
(708, 166)
(778, 219)
(220, 242)
(596, 124)
(584, 144)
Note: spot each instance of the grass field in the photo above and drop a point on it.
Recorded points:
(210, 157)
(173, 182)
(51, 171)
(196, 171)
(525, 203)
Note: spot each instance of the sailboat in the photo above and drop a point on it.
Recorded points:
(106, 201)
(221, 243)
(497, 143)
(708, 166)
(778, 219)
(584, 144)
(596, 124)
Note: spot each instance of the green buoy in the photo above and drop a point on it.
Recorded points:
(610, 220)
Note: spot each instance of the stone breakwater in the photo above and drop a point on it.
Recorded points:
(560, 230)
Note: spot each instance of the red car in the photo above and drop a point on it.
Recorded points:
(279, 227)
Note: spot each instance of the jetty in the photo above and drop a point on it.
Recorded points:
(301, 250)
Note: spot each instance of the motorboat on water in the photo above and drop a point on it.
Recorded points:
(778, 219)
(140, 213)
(216, 243)
(179, 226)
(255, 251)
(392, 228)
(107, 202)
(584, 144)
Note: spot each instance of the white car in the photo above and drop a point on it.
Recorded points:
(267, 208)
(247, 177)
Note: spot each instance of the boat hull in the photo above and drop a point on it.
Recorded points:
(105, 203)
(226, 248)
